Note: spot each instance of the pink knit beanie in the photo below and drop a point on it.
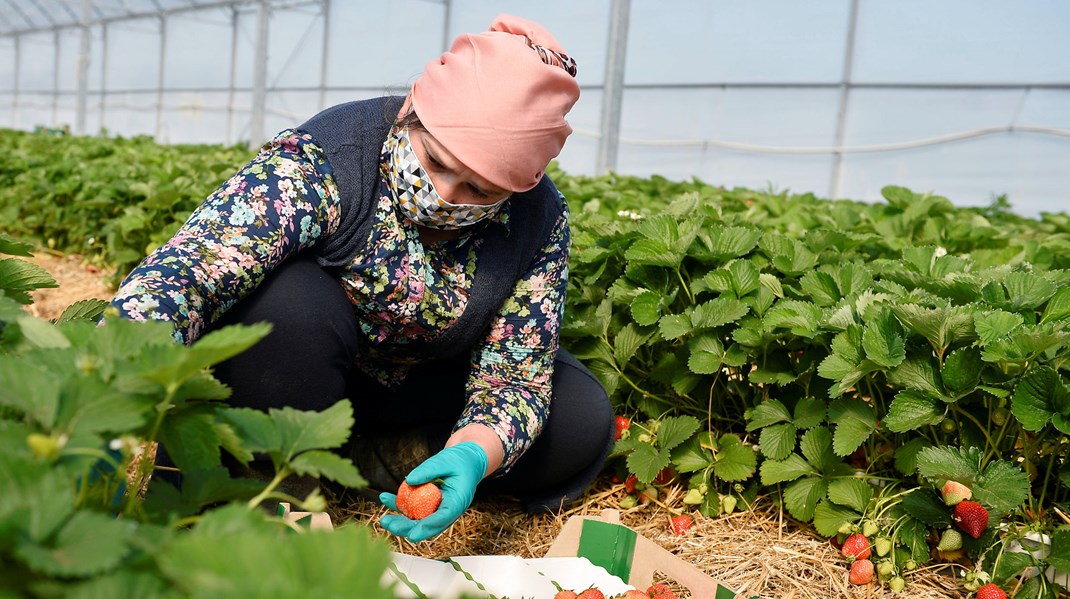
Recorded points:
(496, 105)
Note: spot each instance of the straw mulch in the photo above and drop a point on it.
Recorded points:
(757, 553)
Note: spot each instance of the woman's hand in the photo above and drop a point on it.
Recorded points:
(460, 468)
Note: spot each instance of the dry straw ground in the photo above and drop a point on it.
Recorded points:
(758, 552)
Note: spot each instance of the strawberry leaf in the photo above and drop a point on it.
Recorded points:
(627, 341)
(646, 461)
(646, 307)
(734, 461)
(1059, 558)
(706, 354)
(674, 326)
(1027, 291)
(924, 505)
(88, 309)
(1058, 308)
(942, 326)
(324, 464)
(906, 455)
(882, 340)
(851, 492)
(674, 430)
(87, 544)
(19, 277)
(855, 421)
(912, 409)
(809, 412)
(717, 312)
(1040, 395)
(801, 497)
(829, 517)
(821, 288)
(767, 413)
(256, 429)
(801, 318)
(729, 242)
(778, 441)
(692, 456)
(961, 371)
(1002, 487)
(993, 324)
(191, 439)
(789, 469)
(301, 430)
(920, 374)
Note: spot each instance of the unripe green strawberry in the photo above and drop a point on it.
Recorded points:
(951, 540)
(846, 528)
(883, 545)
(728, 503)
(870, 528)
(897, 584)
(694, 497)
(910, 565)
(628, 502)
(885, 569)
(43, 446)
(955, 492)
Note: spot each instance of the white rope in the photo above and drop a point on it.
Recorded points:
(765, 149)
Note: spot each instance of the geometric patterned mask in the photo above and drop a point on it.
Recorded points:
(417, 196)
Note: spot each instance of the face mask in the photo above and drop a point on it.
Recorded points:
(417, 196)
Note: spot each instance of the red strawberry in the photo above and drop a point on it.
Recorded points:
(634, 594)
(420, 501)
(565, 595)
(856, 546)
(680, 524)
(622, 425)
(971, 517)
(629, 484)
(591, 594)
(660, 591)
(955, 492)
(861, 572)
(665, 476)
(991, 591)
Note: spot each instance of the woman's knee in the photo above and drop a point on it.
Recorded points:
(581, 406)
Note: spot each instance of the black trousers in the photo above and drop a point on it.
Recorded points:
(306, 363)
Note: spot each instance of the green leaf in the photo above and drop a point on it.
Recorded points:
(191, 439)
(87, 544)
(324, 464)
(883, 342)
(816, 446)
(674, 326)
(88, 309)
(200, 488)
(829, 517)
(256, 429)
(41, 334)
(301, 431)
(1059, 557)
(650, 252)
(914, 535)
(942, 326)
(912, 409)
(730, 242)
(675, 430)
(994, 324)
(921, 374)
(692, 456)
(906, 455)
(735, 461)
(607, 374)
(706, 354)
(779, 471)
(925, 506)
(854, 493)
(739, 278)
(789, 256)
(19, 277)
(801, 497)
(1027, 291)
(627, 341)
(646, 462)
(777, 441)
(1039, 395)
(646, 308)
(30, 389)
(961, 371)
(122, 584)
(821, 288)
(717, 312)
(1058, 308)
(810, 412)
(855, 421)
(14, 247)
(770, 411)
(1002, 487)
(801, 318)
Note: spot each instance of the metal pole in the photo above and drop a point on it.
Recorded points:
(83, 68)
(325, 56)
(836, 184)
(446, 25)
(160, 78)
(256, 125)
(15, 87)
(103, 72)
(233, 72)
(55, 78)
(613, 89)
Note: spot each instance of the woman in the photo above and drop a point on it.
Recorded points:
(412, 257)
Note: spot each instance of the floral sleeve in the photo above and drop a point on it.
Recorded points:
(284, 201)
(510, 384)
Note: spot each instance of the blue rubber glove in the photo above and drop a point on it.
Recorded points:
(460, 468)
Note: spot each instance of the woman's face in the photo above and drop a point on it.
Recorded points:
(454, 182)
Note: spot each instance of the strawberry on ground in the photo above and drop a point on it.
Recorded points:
(634, 594)
(622, 424)
(591, 594)
(629, 484)
(565, 595)
(971, 517)
(861, 572)
(991, 591)
(856, 546)
(680, 524)
(660, 591)
(420, 501)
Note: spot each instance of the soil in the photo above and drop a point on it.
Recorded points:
(759, 552)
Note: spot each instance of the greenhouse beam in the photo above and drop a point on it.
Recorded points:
(613, 93)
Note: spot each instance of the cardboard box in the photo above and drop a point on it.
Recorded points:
(630, 556)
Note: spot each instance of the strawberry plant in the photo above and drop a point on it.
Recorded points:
(79, 405)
